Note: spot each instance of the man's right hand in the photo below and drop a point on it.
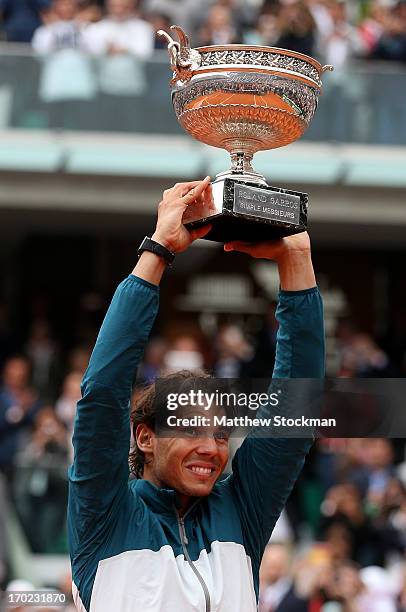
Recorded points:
(170, 231)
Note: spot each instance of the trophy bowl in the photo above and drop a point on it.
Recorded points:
(244, 99)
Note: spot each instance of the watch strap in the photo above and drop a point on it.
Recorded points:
(158, 249)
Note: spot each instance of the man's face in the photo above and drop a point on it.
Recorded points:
(120, 9)
(66, 9)
(16, 373)
(190, 466)
(189, 463)
(275, 564)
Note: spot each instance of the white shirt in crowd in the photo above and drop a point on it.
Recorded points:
(273, 594)
(67, 73)
(133, 35)
(120, 72)
(336, 42)
(58, 36)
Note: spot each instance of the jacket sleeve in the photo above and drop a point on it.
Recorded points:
(266, 468)
(99, 475)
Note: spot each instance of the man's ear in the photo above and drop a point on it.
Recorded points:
(144, 437)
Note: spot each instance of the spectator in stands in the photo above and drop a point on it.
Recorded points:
(338, 41)
(372, 28)
(61, 45)
(234, 353)
(347, 529)
(321, 15)
(19, 404)
(89, 12)
(78, 359)
(42, 482)
(392, 43)
(378, 592)
(361, 356)
(65, 407)
(159, 20)
(348, 589)
(119, 42)
(378, 469)
(296, 27)
(22, 17)
(244, 13)
(186, 13)
(275, 579)
(121, 33)
(345, 333)
(184, 353)
(391, 519)
(62, 31)
(153, 362)
(219, 28)
(312, 579)
(65, 587)
(48, 438)
(265, 30)
(43, 354)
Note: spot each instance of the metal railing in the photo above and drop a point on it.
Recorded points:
(362, 104)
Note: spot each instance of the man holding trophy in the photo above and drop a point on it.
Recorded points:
(177, 537)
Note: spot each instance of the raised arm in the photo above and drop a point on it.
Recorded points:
(265, 469)
(99, 474)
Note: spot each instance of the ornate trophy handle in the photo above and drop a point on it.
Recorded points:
(173, 48)
(183, 38)
(183, 59)
(327, 67)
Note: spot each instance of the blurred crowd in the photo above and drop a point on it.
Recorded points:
(332, 30)
(339, 546)
(121, 67)
(355, 560)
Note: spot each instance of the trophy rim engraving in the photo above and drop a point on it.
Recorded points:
(257, 70)
(264, 48)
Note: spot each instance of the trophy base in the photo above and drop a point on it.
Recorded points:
(251, 213)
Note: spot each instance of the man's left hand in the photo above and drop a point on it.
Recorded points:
(292, 254)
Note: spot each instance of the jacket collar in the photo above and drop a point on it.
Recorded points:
(162, 501)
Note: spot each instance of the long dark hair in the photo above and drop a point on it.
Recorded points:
(149, 400)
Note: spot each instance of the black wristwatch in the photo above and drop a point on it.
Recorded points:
(150, 245)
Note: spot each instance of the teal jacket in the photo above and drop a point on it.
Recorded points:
(130, 550)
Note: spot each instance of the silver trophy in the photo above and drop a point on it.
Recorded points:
(244, 98)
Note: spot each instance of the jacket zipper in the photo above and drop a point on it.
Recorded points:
(184, 540)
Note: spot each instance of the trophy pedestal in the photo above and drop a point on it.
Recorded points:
(250, 212)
